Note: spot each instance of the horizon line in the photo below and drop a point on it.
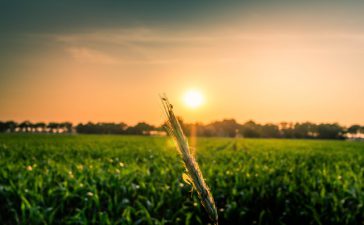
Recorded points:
(185, 122)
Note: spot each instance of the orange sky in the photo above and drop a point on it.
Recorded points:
(269, 66)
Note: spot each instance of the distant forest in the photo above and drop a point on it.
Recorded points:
(224, 128)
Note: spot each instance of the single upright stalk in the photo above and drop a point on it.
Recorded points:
(193, 175)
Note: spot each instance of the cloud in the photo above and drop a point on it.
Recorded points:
(141, 35)
(87, 55)
(156, 46)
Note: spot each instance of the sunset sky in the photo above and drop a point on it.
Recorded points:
(269, 61)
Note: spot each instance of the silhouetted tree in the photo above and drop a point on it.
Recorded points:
(101, 128)
(68, 127)
(53, 127)
(250, 129)
(225, 128)
(3, 127)
(330, 131)
(286, 130)
(40, 127)
(305, 130)
(354, 129)
(25, 126)
(139, 128)
(270, 131)
(11, 126)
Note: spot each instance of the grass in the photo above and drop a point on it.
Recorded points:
(50, 179)
(193, 173)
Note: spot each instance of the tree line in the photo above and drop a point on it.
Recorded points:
(307, 130)
(40, 127)
(82, 128)
(223, 128)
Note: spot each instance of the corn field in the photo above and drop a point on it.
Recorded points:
(76, 179)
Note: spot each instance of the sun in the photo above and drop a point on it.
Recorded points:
(193, 99)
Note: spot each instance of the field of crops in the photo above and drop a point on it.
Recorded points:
(49, 179)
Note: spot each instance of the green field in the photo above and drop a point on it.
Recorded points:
(49, 179)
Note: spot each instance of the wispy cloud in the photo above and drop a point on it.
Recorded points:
(148, 46)
(88, 55)
(157, 36)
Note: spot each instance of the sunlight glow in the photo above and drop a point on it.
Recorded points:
(193, 99)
